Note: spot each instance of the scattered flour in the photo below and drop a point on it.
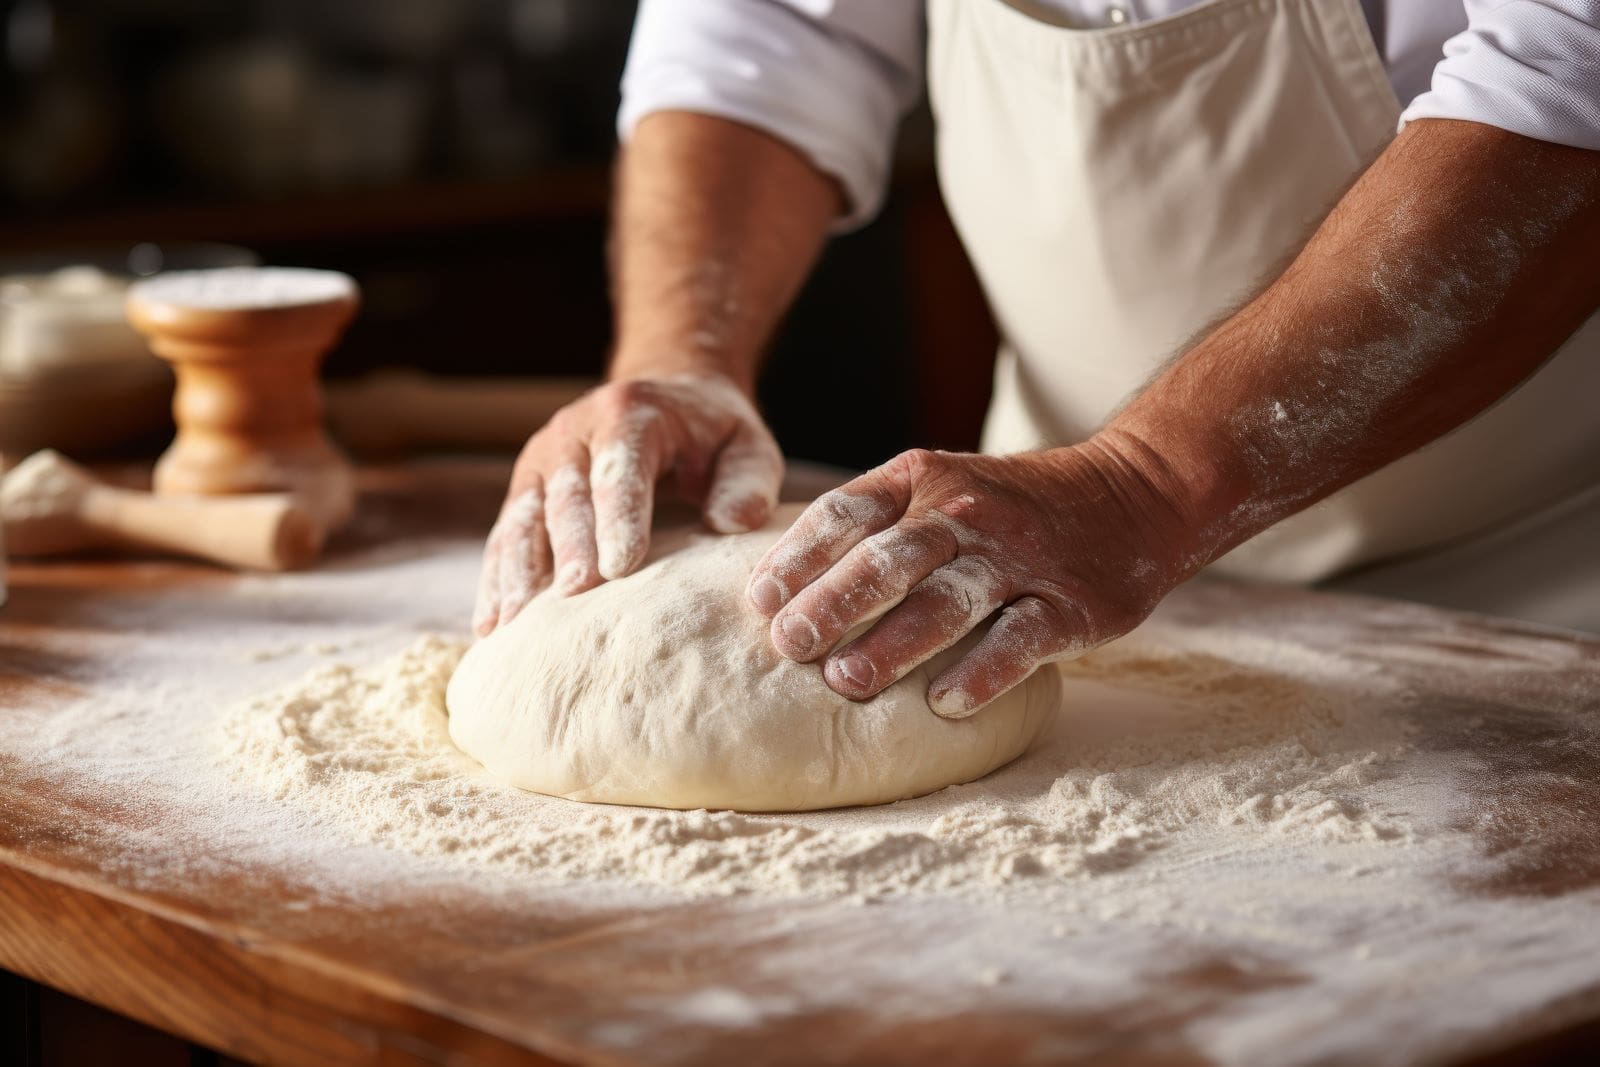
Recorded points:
(42, 486)
(1158, 740)
(1231, 846)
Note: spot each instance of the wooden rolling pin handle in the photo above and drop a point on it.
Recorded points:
(270, 532)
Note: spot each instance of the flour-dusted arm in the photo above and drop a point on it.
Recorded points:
(1457, 264)
(751, 129)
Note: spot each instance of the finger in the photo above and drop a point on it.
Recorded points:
(1028, 632)
(833, 524)
(872, 577)
(744, 488)
(486, 608)
(940, 611)
(519, 525)
(524, 554)
(622, 479)
(569, 517)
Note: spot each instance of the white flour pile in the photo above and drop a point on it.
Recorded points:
(39, 487)
(235, 288)
(1162, 736)
(1232, 849)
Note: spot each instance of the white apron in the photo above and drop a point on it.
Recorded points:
(1119, 189)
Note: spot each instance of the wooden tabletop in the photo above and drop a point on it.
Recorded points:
(281, 966)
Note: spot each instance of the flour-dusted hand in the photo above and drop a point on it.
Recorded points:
(1072, 547)
(579, 507)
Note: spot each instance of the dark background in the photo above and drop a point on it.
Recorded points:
(454, 155)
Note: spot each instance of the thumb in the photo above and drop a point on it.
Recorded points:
(745, 482)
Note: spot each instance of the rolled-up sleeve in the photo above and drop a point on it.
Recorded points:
(1528, 66)
(830, 77)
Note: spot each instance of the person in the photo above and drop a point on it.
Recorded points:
(1408, 387)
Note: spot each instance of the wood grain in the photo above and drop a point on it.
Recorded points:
(271, 966)
(215, 986)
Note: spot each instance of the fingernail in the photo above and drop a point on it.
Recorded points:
(952, 704)
(617, 550)
(854, 671)
(733, 511)
(767, 595)
(723, 515)
(799, 634)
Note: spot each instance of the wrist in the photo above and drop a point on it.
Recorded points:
(665, 361)
(1169, 511)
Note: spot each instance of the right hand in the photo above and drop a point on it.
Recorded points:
(579, 506)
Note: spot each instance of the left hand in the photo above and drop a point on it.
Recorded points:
(1072, 546)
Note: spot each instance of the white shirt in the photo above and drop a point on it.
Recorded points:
(833, 77)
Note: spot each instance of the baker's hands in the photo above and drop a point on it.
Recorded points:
(1073, 547)
(579, 507)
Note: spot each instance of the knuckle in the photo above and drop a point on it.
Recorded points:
(863, 588)
(839, 509)
(615, 468)
(1062, 627)
(565, 483)
(881, 505)
(916, 462)
(625, 395)
(563, 424)
(635, 404)
(949, 600)
(1056, 620)
(528, 459)
(939, 537)
(609, 404)
(883, 551)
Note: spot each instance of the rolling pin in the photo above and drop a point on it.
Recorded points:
(52, 506)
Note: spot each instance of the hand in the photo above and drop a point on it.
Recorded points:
(578, 509)
(1073, 547)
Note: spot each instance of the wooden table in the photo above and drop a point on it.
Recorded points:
(270, 965)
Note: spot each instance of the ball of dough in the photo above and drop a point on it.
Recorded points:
(662, 689)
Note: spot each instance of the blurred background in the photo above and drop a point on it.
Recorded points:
(453, 155)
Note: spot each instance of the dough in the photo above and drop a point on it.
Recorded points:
(662, 689)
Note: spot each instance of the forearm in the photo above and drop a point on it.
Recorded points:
(1456, 265)
(716, 227)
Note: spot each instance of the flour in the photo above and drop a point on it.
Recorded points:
(623, 490)
(66, 322)
(509, 573)
(831, 518)
(40, 487)
(236, 288)
(1158, 741)
(570, 512)
(1246, 856)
